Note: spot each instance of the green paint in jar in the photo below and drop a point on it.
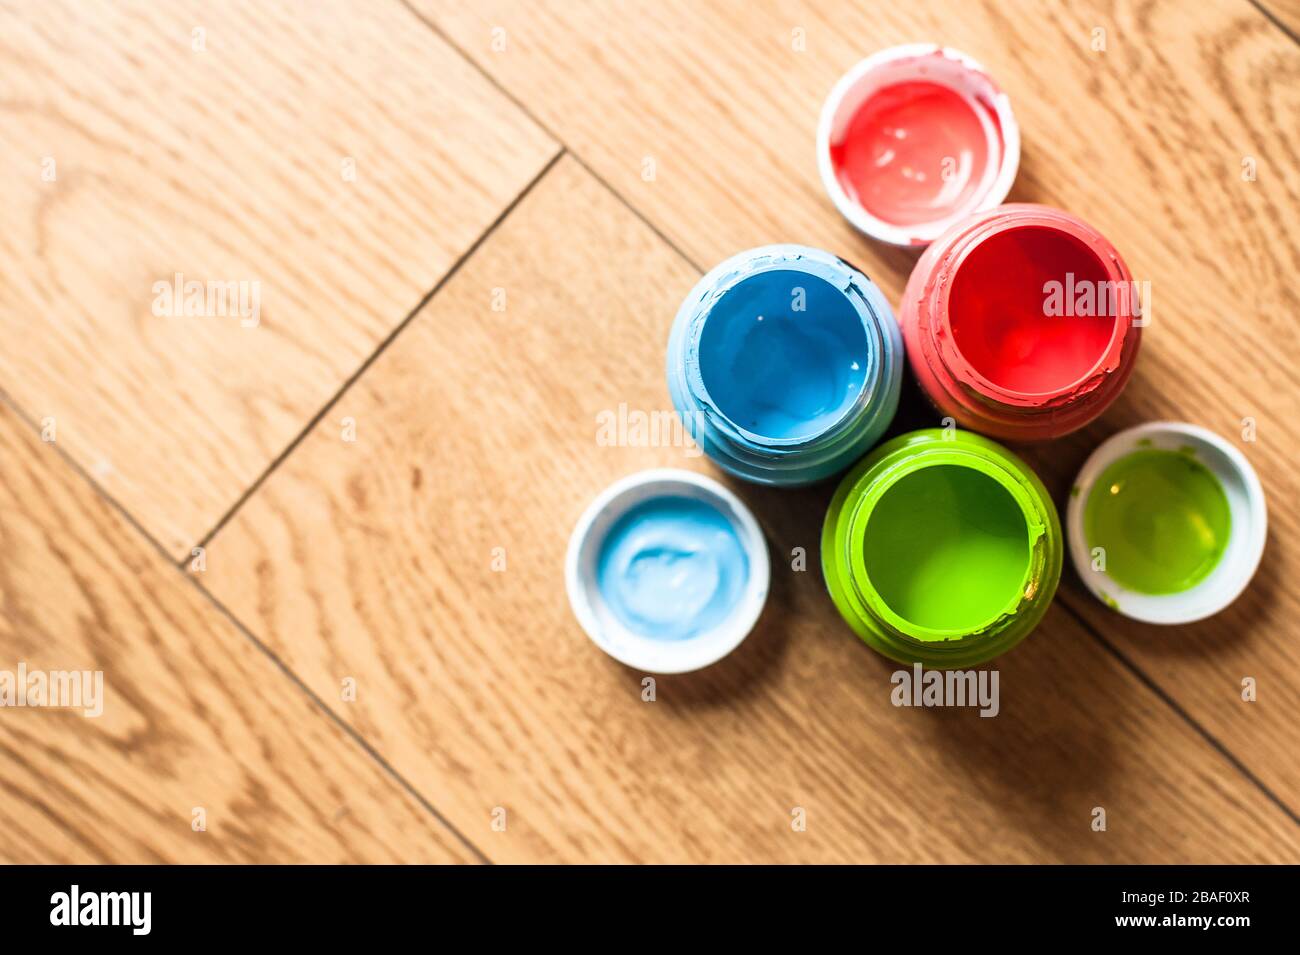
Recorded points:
(1162, 520)
(941, 548)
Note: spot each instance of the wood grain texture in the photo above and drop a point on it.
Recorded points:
(214, 141)
(220, 154)
(477, 430)
(194, 715)
(1153, 139)
(1287, 14)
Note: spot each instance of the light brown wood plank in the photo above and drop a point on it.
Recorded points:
(1287, 13)
(193, 714)
(1145, 139)
(226, 163)
(1150, 139)
(477, 430)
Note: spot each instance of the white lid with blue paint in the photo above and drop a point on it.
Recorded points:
(667, 571)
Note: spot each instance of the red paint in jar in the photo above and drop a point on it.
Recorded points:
(1021, 322)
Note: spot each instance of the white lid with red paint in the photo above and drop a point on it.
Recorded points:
(913, 139)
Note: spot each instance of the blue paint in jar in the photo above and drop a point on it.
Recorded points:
(672, 568)
(785, 364)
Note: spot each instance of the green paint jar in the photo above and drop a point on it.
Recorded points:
(941, 548)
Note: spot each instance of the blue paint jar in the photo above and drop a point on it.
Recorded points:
(785, 364)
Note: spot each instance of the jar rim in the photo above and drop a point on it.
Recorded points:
(1011, 218)
(740, 268)
(975, 459)
(801, 459)
(877, 631)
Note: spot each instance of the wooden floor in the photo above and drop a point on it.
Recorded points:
(318, 558)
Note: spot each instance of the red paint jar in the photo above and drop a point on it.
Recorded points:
(1021, 322)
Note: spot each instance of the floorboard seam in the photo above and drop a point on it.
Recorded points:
(1173, 704)
(374, 355)
(1273, 19)
(349, 731)
(576, 157)
(346, 727)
